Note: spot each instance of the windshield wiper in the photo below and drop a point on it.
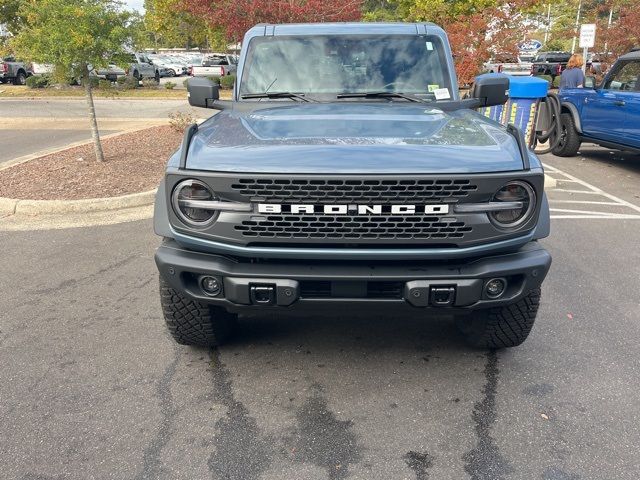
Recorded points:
(405, 96)
(297, 96)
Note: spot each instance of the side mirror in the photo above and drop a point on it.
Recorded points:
(490, 89)
(203, 92)
(590, 82)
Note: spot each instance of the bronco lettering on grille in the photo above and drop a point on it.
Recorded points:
(344, 209)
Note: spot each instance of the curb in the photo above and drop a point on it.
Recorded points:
(12, 206)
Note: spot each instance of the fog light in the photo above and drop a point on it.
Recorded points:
(211, 286)
(495, 287)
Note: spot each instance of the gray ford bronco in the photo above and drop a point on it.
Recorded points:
(346, 172)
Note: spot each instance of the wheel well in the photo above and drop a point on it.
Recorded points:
(571, 109)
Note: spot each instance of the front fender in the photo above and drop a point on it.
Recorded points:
(573, 110)
(543, 228)
(160, 213)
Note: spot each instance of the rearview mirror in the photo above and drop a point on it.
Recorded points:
(490, 89)
(590, 82)
(203, 92)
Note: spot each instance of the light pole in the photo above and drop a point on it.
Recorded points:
(575, 31)
(546, 31)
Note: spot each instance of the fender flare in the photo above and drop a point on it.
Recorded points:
(161, 224)
(543, 228)
(573, 110)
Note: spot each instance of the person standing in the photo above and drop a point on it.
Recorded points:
(572, 76)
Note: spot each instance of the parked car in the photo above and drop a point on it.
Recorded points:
(13, 71)
(509, 65)
(216, 65)
(374, 189)
(608, 114)
(41, 68)
(174, 67)
(550, 63)
(112, 72)
(142, 67)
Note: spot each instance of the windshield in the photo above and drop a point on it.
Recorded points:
(334, 64)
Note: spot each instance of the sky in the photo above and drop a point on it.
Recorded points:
(135, 5)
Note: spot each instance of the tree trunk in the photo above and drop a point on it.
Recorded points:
(95, 134)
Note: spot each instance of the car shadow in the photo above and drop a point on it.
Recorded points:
(626, 160)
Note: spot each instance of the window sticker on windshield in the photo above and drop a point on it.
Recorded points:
(442, 93)
(429, 46)
(432, 86)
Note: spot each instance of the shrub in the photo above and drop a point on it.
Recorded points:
(215, 79)
(127, 83)
(149, 83)
(104, 84)
(227, 81)
(38, 81)
(556, 81)
(179, 121)
(169, 85)
(546, 77)
(185, 84)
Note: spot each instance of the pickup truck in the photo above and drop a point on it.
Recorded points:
(550, 63)
(142, 67)
(216, 66)
(509, 65)
(346, 174)
(608, 115)
(14, 71)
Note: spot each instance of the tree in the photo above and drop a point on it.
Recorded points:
(169, 25)
(9, 15)
(238, 16)
(74, 35)
(476, 28)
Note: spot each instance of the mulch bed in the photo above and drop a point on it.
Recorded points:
(134, 162)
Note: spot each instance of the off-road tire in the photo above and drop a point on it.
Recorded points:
(501, 327)
(570, 141)
(193, 323)
(21, 79)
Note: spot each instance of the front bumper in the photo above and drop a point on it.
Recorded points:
(299, 285)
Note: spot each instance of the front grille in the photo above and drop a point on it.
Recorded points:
(344, 191)
(353, 228)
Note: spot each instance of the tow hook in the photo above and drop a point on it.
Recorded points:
(263, 294)
(442, 296)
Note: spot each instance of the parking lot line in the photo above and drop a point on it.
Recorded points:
(608, 200)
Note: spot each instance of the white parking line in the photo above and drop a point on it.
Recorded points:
(561, 176)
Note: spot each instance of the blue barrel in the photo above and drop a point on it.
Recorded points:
(524, 96)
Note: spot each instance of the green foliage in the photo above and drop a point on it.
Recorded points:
(227, 81)
(104, 85)
(215, 79)
(149, 83)
(9, 15)
(166, 24)
(185, 83)
(555, 45)
(169, 85)
(38, 81)
(127, 83)
(74, 33)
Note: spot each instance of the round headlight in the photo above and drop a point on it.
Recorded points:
(184, 199)
(520, 193)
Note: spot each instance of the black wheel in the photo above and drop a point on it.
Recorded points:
(193, 323)
(157, 77)
(501, 327)
(21, 79)
(172, 72)
(569, 143)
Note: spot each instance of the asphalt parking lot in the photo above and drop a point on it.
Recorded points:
(92, 387)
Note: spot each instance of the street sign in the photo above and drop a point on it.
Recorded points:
(587, 35)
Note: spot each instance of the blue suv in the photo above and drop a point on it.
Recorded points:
(608, 115)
